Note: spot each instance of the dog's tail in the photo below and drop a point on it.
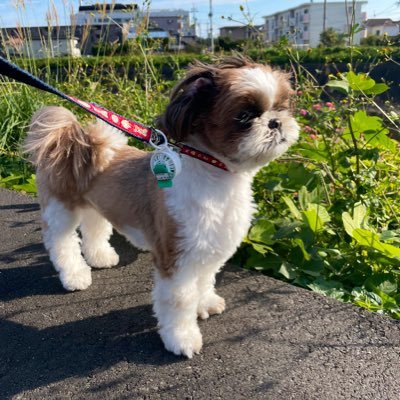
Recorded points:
(66, 154)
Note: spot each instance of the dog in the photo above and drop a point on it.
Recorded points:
(89, 178)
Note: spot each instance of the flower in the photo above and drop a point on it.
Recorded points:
(303, 112)
(330, 105)
(317, 106)
(299, 92)
(313, 136)
(308, 128)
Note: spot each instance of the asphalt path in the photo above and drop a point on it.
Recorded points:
(274, 341)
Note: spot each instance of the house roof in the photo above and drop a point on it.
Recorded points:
(40, 32)
(379, 22)
(108, 7)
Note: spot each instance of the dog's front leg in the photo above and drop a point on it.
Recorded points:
(175, 302)
(209, 302)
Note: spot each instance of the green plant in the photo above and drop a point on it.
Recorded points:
(329, 219)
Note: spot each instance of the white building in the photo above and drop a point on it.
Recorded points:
(380, 27)
(303, 24)
(175, 22)
(40, 42)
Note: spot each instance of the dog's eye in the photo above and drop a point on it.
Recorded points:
(245, 118)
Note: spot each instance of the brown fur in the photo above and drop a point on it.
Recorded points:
(66, 155)
(203, 104)
(140, 204)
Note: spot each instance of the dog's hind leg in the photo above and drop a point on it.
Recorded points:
(96, 232)
(63, 244)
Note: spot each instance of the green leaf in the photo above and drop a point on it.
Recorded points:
(357, 221)
(330, 288)
(286, 230)
(383, 282)
(292, 207)
(288, 271)
(370, 239)
(359, 82)
(312, 219)
(378, 88)
(302, 247)
(321, 212)
(339, 85)
(263, 232)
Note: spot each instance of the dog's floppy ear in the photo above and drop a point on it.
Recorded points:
(191, 99)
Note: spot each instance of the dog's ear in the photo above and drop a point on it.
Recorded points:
(190, 100)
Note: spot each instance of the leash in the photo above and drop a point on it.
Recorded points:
(165, 162)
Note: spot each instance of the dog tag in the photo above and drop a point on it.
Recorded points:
(165, 165)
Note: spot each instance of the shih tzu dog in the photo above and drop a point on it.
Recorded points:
(89, 178)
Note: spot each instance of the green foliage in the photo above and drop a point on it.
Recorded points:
(330, 38)
(329, 219)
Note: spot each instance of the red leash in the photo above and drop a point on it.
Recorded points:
(147, 134)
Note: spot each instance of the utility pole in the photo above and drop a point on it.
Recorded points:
(194, 10)
(210, 15)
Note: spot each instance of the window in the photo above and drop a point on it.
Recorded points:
(306, 11)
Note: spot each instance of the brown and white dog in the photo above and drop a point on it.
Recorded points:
(236, 110)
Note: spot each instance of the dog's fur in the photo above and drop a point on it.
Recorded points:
(90, 178)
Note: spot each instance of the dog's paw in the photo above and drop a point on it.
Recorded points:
(185, 341)
(77, 280)
(101, 257)
(212, 304)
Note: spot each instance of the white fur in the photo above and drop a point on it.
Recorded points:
(113, 136)
(63, 244)
(136, 237)
(96, 232)
(263, 144)
(257, 80)
(213, 209)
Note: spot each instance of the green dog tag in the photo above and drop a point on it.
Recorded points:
(163, 176)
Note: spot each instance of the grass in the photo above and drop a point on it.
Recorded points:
(328, 215)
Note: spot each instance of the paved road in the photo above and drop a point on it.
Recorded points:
(274, 341)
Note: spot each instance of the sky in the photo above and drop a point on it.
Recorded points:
(33, 12)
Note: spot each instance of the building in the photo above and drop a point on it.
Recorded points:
(104, 14)
(380, 27)
(242, 32)
(40, 42)
(91, 36)
(303, 24)
(175, 22)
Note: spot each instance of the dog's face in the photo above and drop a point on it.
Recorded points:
(237, 110)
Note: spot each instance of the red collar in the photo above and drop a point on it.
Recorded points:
(142, 132)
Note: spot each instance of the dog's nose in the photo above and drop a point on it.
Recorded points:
(274, 124)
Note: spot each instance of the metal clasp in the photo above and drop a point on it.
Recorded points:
(158, 139)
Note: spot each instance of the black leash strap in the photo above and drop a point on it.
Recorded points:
(18, 74)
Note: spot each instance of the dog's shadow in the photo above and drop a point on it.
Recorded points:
(34, 358)
(37, 277)
(31, 357)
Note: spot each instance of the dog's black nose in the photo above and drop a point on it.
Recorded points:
(274, 124)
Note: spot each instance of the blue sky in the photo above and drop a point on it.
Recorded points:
(33, 12)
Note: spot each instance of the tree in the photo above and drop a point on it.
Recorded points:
(331, 38)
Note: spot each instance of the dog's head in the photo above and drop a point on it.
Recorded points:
(235, 109)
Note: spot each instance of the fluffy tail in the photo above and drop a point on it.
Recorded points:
(67, 155)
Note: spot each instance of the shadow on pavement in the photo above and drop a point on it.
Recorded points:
(35, 358)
